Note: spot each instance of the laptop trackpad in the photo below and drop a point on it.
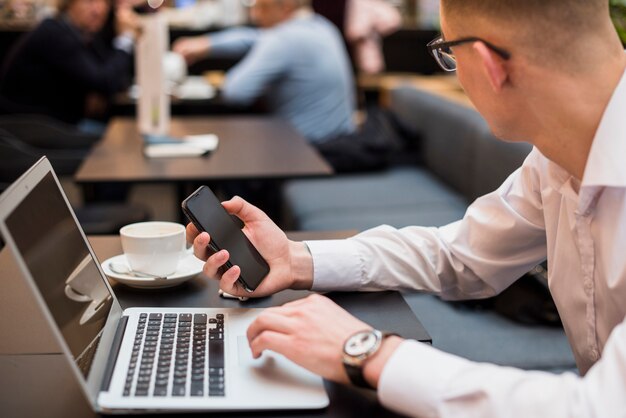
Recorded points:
(244, 352)
(268, 360)
(272, 367)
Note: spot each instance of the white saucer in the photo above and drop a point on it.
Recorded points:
(188, 267)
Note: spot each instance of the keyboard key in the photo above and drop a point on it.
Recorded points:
(216, 371)
(216, 387)
(216, 354)
(178, 390)
(197, 389)
(184, 318)
(160, 391)
(199, 319)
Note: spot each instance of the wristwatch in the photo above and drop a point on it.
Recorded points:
(357, 349)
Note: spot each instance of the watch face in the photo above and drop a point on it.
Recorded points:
(360, 343)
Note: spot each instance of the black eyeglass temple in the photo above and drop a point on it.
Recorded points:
(447, 44)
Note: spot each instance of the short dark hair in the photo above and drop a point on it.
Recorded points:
(575, 12)
(538, 24)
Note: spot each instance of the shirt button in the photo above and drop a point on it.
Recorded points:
(588, 284)
(594, 355)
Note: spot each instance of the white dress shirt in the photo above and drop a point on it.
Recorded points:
(539, 212)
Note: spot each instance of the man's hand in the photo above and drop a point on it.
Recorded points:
(192, 48)
(290, 263)
(311, 332)
(127, 22)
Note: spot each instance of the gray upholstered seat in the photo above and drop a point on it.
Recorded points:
(399, 197)
(488, 337)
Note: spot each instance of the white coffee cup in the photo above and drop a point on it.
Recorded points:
(153, 247)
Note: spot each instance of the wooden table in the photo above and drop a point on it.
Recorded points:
(249, 148)
(43, 385)
(445, 86)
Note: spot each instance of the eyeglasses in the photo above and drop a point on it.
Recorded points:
(441, 50)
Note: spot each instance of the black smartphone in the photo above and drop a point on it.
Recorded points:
(206, 212)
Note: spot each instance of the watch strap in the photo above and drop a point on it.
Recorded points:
(355, 373)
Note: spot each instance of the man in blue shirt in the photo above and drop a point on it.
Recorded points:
(296, 60)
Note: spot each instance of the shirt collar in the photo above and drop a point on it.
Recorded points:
(605, 164)
(303, 13)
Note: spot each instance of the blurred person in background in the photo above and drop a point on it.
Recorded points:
(64, 68)
(296, 60)
(367, 21)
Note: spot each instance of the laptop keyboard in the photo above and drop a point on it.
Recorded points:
(177, 355)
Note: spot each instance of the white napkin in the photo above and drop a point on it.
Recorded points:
(189, 146)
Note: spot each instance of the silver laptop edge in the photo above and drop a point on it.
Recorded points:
(9, 200)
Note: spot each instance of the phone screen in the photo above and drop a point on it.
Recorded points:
(206, 212)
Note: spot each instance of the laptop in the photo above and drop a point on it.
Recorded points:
(138, 359)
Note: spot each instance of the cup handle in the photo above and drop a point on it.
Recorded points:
(75, 296)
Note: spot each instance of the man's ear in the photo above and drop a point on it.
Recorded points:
(493, 65)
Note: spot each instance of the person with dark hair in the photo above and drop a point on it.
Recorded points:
(63, 69)
(544, 71)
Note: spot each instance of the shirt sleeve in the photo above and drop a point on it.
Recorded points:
(260, 68)
(501, 236)
(235, 42)
(421, 381)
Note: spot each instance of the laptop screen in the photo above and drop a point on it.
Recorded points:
(62, 267)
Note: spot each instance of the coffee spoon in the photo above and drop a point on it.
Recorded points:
(121, 268)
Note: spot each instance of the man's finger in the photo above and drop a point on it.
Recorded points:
(191, 232)
(229, 284)
(212, 266)
(200, 246)
(243, 210)
(270, 340)
(270, 321)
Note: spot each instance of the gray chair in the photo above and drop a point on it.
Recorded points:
(16, 156)
(46, 133)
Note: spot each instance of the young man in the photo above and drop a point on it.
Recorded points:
(296, 60)
(548, 72)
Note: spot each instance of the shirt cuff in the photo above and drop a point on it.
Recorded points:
(336, 265)
(413, 380)
(124, 42)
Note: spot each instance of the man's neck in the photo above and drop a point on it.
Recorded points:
(567, 125)
(299, 13)
(85, 36)
(302, 13)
